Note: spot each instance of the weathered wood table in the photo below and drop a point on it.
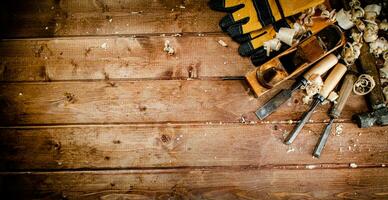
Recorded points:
(92, 108)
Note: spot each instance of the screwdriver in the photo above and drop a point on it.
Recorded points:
(335, 112)
(320, 68)
(331, 81)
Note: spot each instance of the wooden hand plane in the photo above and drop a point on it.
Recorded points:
(295, 60)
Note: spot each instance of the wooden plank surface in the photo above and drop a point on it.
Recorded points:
(48, 18)
(123, 146)
(143, 102)
(362, 183)
(120, 58)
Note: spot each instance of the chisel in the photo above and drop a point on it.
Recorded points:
(335, 112)
(320, 68)
(331, 81)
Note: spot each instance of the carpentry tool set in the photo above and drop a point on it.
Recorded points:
(286, 38)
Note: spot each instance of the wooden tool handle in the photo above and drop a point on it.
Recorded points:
(333, 79)
(344, 93)
(321, 67)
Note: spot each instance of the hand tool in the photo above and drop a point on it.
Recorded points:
(331, 81)
(295, 60)
(320, 68)
(335, 112)
(375, 99)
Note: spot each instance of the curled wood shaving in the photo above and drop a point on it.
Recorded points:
(351, 52)
(272, 45)
(364, 84)
(378, 46)
(372, 11)
(370, 32)
(312, 88)
(383, 25)
(287, 35)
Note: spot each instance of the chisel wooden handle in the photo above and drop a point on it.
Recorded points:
(321, 67)
(332, 80)
(346, 90)
(335, 112)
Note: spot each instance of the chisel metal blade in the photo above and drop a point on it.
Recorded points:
(269, 107)
(273, 104)
(323, 139)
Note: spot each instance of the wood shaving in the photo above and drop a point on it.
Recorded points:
(372, 11)
(242, 120)
(222, 43)
(383, 25)
(353, 165)
(168, 48)
(311, 166)
(104, 46)
(272, 45)
(312, 88)
(290, 149)
(364, 84)
(136, 12)
(385, 91)
(378, 46)
(339, 129)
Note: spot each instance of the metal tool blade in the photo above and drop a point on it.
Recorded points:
(323, 139)
(273, 104)
(269, 107)
(306, 117)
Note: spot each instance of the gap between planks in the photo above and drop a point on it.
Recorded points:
(181, 169)
(164, 124)
(115, 36)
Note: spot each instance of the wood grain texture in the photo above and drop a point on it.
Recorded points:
(96, 147)
(48, 18)
(120, 58)
(200, 184)
(143, 102)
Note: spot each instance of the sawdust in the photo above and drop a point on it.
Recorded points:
(104, 46)
(290, 149)
(311, 166)
(353, 165)
(168, 48)
(339, 129)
